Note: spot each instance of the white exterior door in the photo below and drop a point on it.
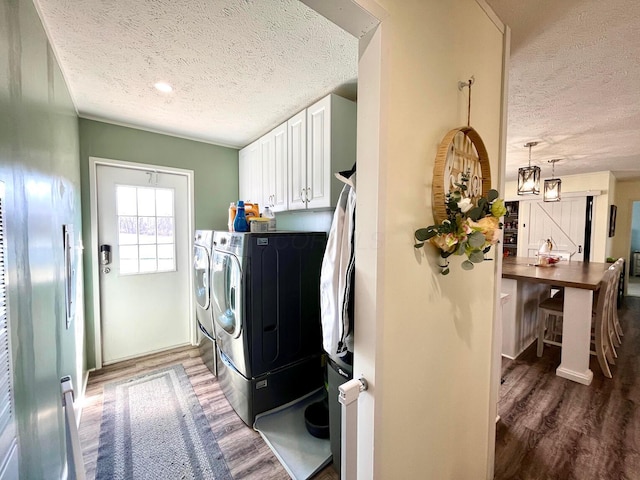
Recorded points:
(143, 216)
(563, 222)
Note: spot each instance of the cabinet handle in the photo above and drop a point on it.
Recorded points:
(307, 195)
(302, 195)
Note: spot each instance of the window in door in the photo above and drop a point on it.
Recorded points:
(146, 229)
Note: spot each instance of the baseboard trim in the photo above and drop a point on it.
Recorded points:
(531, 342)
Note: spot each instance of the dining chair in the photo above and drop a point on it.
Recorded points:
(550, 314)
(605, 304)
(616, 320)
(612, 330)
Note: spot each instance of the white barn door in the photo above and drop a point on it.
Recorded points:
(563, 222)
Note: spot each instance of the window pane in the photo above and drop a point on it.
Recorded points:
(146, 201)
(146, 230)
(126, 200)
(148, 258)
(164, 202)
(127, 230)
(166, 258)
(129, 259)
(165, 230)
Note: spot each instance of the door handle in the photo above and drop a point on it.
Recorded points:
(105, 254)
(105, 258)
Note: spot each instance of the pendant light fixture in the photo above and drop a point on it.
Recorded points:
(552, 185)
(529, 177)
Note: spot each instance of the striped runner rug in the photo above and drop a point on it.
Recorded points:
(153, 427)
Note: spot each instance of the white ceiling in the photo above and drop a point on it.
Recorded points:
(240, 67)
(573, 85)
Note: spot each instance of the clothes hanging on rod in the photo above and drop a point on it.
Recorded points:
(337, 273)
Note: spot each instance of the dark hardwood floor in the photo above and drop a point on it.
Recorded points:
(246, 454)
(552, 428)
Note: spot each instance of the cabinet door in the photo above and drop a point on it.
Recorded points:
(277, 192)
(250, 174)
(244, 173)
(297, 159)
(267, 154)
(318, 189)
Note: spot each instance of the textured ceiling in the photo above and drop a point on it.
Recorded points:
(573, 85)
(238, 67)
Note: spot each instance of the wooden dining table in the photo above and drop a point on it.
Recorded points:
(580, 280)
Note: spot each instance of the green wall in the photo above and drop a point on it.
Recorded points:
(39, 166)
(215, 176)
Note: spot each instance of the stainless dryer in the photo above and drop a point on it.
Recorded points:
(266, 308)
(202, 244)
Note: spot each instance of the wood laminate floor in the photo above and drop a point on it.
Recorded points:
(550, 428)
(555, 429)
(246, 454)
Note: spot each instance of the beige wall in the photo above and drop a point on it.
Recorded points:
(423, 340)
(627, 191)
(604, 182)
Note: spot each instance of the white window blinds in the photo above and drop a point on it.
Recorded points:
(8, 440)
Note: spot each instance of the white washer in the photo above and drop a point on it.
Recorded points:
(202, 247)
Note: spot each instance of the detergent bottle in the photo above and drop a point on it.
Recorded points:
(272, 219)
(232, 215)
(240, 223)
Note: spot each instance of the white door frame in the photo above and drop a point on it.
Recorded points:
(95, 267)
(365, 20)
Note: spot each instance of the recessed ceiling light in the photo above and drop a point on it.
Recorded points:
(163, 87)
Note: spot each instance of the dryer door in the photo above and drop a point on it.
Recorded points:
(226, 283)
(201, 276)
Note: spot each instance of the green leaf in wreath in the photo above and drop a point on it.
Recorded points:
(483, 203)
(476, 257)
(445, 271)
(423, 234)
(467, 265)
(418, 245)
(486, 250)
(492, 195)
(475, 214)
(476, 240)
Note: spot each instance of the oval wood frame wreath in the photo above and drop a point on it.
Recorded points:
(440, 167)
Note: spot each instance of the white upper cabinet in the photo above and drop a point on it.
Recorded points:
(297, 155)
(330, 148)
(250, 173)
(296, 161)
(273, 149)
